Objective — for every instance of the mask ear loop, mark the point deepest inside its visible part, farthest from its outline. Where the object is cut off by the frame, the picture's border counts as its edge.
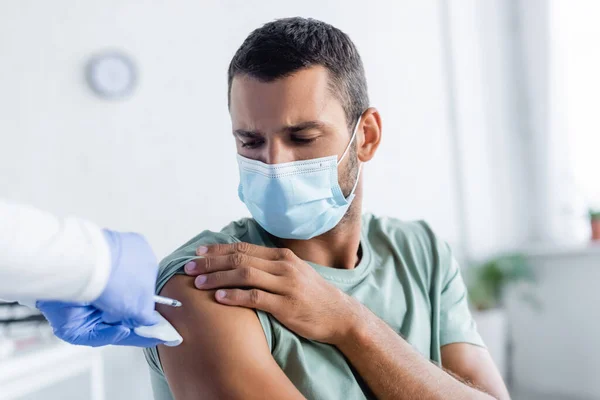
(346, 152)
(351, 140)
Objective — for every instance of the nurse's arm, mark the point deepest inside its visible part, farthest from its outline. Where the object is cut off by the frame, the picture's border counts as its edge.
(224, 353)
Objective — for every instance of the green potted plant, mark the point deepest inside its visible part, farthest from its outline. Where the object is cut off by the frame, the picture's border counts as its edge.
(595, 221)
(487, 283)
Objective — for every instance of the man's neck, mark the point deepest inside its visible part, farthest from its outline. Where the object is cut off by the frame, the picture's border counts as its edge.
(337, 248)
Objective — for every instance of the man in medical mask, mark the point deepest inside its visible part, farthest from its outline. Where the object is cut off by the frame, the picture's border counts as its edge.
(314, 299)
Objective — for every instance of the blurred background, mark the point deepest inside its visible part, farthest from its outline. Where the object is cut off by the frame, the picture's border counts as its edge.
(116, 111)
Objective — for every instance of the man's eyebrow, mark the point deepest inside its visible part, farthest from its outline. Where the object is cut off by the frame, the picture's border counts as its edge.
(304, 126)
(247, 134)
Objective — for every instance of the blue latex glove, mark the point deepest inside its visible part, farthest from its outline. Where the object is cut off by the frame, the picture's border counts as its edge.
(128, 296)
(83, 324)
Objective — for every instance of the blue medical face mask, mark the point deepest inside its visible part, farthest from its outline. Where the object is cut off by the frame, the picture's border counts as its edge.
(295, 200)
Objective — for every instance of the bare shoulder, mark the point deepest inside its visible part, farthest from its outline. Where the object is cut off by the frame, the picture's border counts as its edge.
(224, 351)
(201, 310)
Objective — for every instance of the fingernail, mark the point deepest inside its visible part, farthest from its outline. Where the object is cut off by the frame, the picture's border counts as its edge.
(200, 279)
(190, 267)
(201, 250)
(221, 294)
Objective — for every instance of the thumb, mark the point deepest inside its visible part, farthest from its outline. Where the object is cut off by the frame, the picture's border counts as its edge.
(147, 317)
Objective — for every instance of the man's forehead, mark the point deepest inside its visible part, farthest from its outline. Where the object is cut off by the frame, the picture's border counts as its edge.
(303, 95)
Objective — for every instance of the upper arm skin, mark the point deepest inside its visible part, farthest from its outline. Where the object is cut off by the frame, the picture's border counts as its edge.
(224, 353)
(474, 365)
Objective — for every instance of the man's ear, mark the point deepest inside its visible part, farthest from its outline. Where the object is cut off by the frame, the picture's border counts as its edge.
(369, 134)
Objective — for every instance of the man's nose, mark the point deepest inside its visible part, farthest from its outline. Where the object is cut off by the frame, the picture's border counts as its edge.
(277, 153)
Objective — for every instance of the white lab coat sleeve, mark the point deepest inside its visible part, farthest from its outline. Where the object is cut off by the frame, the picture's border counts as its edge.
(44, 257)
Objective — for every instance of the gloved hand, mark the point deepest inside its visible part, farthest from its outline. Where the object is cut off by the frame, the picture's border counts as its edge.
(82, 324)
(128, 296)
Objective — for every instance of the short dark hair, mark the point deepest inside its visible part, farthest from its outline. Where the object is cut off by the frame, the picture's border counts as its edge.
(284, 46)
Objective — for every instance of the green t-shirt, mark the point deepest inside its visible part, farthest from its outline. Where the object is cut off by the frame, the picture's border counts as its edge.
(406, 276)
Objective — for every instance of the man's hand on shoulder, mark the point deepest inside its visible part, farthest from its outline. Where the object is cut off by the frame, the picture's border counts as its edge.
(279, 283)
